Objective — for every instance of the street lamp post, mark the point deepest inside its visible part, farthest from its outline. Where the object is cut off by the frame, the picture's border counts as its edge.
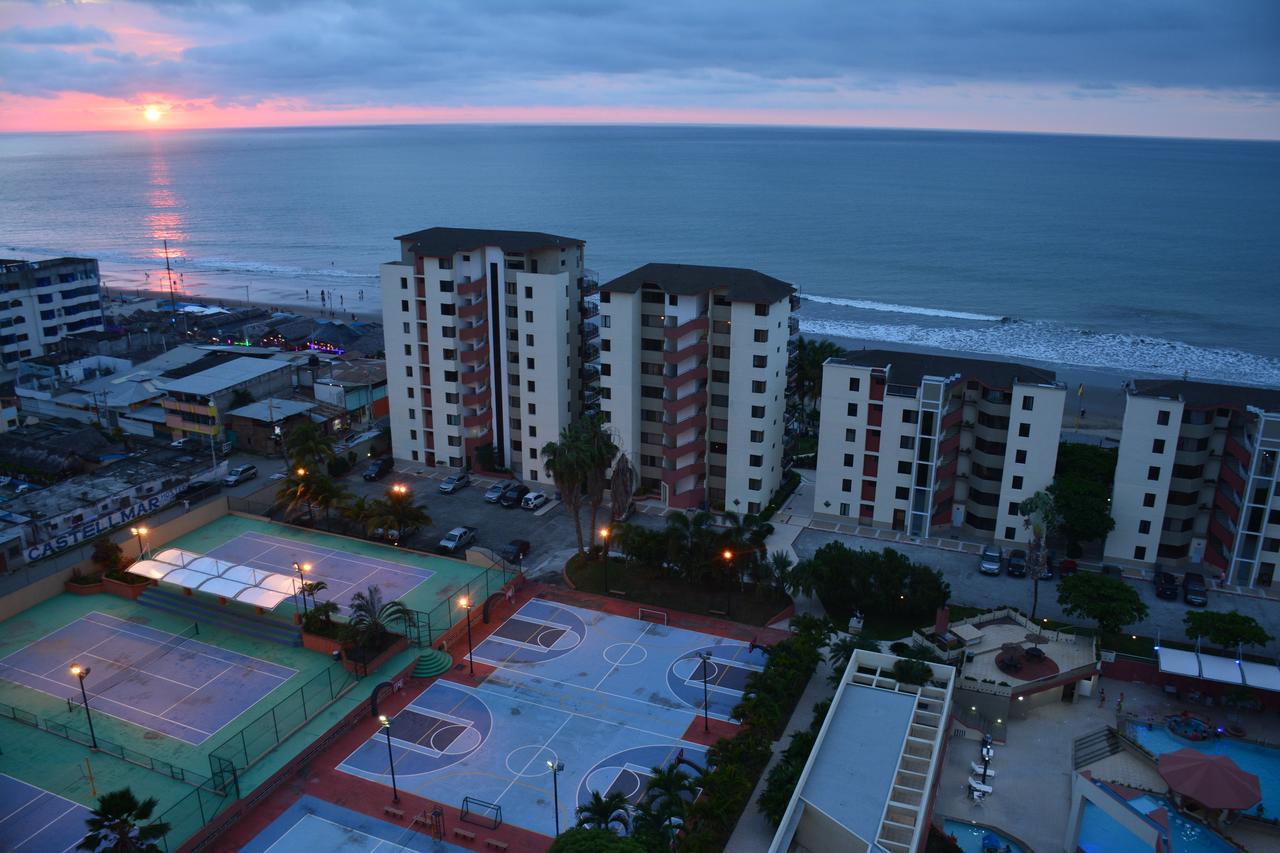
(80, 672)
(705, 657)
(466, 605)
(391, 759)
(604, 555)
(728, 587)
(139, 532)
(556, 767)
(302, 569)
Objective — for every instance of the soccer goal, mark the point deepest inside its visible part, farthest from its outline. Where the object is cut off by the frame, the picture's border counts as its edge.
(647, 615)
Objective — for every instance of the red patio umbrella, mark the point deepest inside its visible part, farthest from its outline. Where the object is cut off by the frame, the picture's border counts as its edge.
(1213, 781)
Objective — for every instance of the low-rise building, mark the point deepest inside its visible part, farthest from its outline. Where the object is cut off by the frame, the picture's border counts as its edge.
(934, 445)
(358, 387)
(195, 401)
(872, 774)
(1196, 479)
(43, 301)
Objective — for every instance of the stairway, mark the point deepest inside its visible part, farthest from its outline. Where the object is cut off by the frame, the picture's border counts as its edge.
(207, 612)
(1094, 747)
(431, 664)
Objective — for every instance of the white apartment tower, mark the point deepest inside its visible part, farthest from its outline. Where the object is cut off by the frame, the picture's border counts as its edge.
(486, 333)
(1196, 479)
(933, 445)
(694, 368)
(43, 301)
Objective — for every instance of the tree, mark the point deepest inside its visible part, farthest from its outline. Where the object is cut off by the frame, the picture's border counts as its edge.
(604, 812)
(841, 650)
(880, 584)
(910, 671)
(397, 512)
(622, 488)
(598, 453)
(1108, 601)
(1040, 516)
(240, 397)
(357, 512)
(370, 615)
(1084, 511)
(307, 445)
(1225, 630)
(670, 792)
(122, 824)
(583, 839)
(565, 462)
(810, 356)
(311, 588)
(107, 554)
(1087, 462)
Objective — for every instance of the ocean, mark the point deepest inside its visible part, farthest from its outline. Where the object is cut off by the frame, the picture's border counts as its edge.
(1131, 254)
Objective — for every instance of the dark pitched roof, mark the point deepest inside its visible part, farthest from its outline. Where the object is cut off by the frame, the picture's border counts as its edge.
(908, 368)
(1209, 394)
(741, 285)
(444, 242)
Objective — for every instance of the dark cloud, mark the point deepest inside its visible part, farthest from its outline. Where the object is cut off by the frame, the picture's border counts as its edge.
(665, 52)
(65, 35)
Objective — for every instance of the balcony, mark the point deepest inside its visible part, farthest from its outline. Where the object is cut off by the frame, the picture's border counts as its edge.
(474, 377)
(671, 476)
(590, 282)
(472, 288)
(689, 499)
(589, 374)
(697, 421)
(694, 350)
(477, 420)
(673, 332)
(590, 309)
(590, 331)
(472, 310)
(793, 326)
(591, 395)
(479, 398)
(693, 445)
(474, 333)
(698, 399)
(673, 382)
(590, 352)
(474, 356)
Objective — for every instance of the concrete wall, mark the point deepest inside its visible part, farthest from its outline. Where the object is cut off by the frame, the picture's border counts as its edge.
(1141, 428)
(740, 497)
(1044, 420)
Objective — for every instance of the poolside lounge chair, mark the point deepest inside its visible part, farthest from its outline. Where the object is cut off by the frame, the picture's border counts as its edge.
(977, 769)
(975, 785)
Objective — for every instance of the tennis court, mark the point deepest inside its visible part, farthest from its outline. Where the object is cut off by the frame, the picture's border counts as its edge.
(165, 682)
(609, 696)
(33, 819)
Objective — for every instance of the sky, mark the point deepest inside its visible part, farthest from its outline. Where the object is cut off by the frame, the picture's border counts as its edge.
(1193, 68)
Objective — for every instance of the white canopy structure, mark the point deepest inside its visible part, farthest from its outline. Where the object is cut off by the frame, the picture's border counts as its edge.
(175, 556)
(1224, 670)
(260, 597)
(150, 569)
(1178, 662)
(223, 587)
(1264, 676)
(258, 587)
(209, 566)
(186, 578)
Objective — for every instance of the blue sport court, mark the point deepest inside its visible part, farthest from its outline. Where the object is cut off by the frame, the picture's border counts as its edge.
(32, 819)
(316, 825)
(165, 682)
(609, 696)
(343, 572)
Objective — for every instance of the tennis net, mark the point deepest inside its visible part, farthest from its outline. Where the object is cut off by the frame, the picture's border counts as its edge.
(131, 669)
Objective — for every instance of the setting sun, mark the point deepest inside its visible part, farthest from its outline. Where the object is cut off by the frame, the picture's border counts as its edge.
(152, 114)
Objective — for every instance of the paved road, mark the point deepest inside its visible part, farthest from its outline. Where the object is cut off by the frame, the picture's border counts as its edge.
(969, 587)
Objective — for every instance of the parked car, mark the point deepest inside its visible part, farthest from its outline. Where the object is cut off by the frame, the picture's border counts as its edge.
(1166, 584)
(199, 489)
(378, 469)
(1068, 567)
(513, 495)
(991, 561)
(1017, 567)
(180, 443)
(240, 474)
(515, 551)
(457, 539)
(533, 500)
(1194, 590)
(494, 493)
(455, 483)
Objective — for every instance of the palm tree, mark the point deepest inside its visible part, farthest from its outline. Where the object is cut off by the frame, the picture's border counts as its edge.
(565, 462)
(295, 492)
(603, 812)
(598, 451)
(311, 588)
(325, 610)
(307, 445)
(775, 571)
(841, 650)
(689, 542)
(122, 824)
(370, 615)
(327, 493)
(810, 356)
(398, 512)
(357, 512)
(1040, 516)
(622, 487)
(670, 792)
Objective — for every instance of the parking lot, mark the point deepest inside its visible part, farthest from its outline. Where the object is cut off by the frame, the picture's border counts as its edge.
(970, 588)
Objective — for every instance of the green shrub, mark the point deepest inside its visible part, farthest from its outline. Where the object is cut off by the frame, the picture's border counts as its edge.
(912, 671)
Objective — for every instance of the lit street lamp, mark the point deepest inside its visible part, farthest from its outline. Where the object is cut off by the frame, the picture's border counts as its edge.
(139, 532)
(705, 657)
(302, 569)
(386, 727)
(604, 555)
(465, 603)
(556, 767)
(80, 672)
(728, 593)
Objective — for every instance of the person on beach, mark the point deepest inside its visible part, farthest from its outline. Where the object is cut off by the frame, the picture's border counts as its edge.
(322, 297)
(308, 294)
(341, 302)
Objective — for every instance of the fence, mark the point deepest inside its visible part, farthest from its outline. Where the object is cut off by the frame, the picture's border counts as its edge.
(190, 814)
(244, 748)
(424, 627)
(83, 738)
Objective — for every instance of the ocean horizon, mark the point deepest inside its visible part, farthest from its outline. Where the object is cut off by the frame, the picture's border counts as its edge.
(1136, 254)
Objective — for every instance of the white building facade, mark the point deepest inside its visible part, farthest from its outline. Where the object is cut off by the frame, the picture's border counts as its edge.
(43, 301)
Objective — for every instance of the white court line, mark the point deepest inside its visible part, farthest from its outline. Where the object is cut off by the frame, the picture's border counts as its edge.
(237, 659)
(194, 691)
(516, 777)
(39, 793)
(324, 550)
(295, 843)
(630, 646)
(142, 672)
(64, 813)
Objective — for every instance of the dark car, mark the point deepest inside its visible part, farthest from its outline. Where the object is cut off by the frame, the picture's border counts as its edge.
(1166, 584)
(1194, 589)
(493, 494)
(1017, 564)
(378, 469)
(513, 494)
(515, 551)
(455, 483)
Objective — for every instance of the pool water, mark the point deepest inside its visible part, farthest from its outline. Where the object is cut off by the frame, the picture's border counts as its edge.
(1186, 836)
(1262, 761)
(969, 836)
(1101, 833)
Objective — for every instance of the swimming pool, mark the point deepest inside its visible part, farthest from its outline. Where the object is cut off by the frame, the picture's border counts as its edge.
(1101, 833)
(969, 836)
(1185, 835)
(1262, 761)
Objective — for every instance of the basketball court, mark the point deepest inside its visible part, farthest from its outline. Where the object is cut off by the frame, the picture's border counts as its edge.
(35, 820)
(610, 697)
(164, 682)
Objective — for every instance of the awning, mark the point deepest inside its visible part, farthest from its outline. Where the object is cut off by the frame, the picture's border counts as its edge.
(1179, 662)
(245, 574)
(260, 597)
(1213, 781)
(1264, 676)
(1222, 670)
(175, 556)
(185, 578)
(209, 566)
(222, 587)
(150, 569)
(279, 583)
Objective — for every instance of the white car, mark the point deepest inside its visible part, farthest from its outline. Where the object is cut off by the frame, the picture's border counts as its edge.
(533, 500)
(457, 539)
(239, 474)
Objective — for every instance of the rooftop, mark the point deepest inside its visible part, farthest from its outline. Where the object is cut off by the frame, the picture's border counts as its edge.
(225, 375)
(1208, 394)
(88, 490)
(445, 242)
(909, 368)
(741, 285)
(272, 409)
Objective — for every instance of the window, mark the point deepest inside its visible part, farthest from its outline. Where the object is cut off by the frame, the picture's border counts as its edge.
(409, 391)
(754, 484)
(846, 485)
(1162, 417)
(848, 460)
(413, 454)
(513, 336)
(1010, 533)
(404, 284)
(756, 460)
(413, 435)
(404, 305)
(757, 387)
(757, 435)
(606, 369)
(533, 453)
(1157, 445)
(453, 420)
(854, 383)
(451, 397)
(528, 363)
(719, 352)
(850, 435)
(1144, 527)
(719, 376)
(902, 493)
(451, 376)
(844, 509)
(606, 321)
(1139, 552)
(720, 400)
(852, 410)
(1028, 403)
(762, 310)
(757, 411)
(1020, 457)
(528, 292)
(907, 442)
(408, 349)
(533, 408)
(408, 370)
(1149, 499)
(646, 344)
(910, 416)
(530, 386)
(759, 361)
(762, 336)
(652, 297)
(1017, 481)
(413, 415)
(446, 286)
(406, 328)
(450, 354)
(528, 316)
(653, 392)
(1014, 507)
(455, 441)
(528, 340)
(448, 332)
(1153, 472)
(533, 431)
(510, 288)
(446, 263)
(904, 467)
(1024, 430)
(448, 309)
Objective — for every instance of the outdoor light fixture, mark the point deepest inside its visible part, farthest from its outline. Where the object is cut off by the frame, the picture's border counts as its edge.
(604, 556)
(556, 767)
(80, 672)
(705, 657)
(302, 569)
(301, 472)
(139, 532)
(386, 727)
(465, 603)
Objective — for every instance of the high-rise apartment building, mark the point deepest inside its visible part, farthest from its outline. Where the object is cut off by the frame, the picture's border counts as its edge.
(486, 336)
(933, 445)
(43, 301)
(694, 366)
(1196, 479)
